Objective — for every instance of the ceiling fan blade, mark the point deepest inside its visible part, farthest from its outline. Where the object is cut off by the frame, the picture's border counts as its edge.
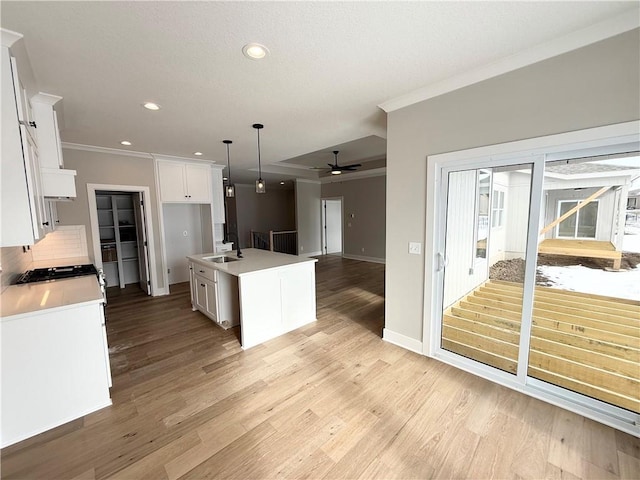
(352, 166)
(332, 165)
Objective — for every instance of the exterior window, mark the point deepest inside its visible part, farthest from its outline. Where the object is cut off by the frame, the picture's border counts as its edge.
(497, 209)
(582, 224)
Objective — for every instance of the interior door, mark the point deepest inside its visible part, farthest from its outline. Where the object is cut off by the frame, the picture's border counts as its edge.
(332, 226)
(143, 249)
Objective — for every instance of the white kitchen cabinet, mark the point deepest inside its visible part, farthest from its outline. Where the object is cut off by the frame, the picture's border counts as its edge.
(56, 181)
(204, 290)
(218, 196)
(22, 207)
(184, 182)
(55, 361)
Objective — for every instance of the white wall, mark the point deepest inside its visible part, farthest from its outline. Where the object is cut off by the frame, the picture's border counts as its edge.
(308, 219)
(589, 87)
(179, 219)
(365, 199)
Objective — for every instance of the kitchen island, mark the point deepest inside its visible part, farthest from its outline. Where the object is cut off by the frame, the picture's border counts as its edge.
(266, 293)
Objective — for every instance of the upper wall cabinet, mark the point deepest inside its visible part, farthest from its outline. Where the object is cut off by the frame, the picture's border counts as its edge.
(184, 182)
(56, 181)
(23, 210)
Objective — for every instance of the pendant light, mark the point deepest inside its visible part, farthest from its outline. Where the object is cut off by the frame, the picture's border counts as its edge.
(229, 189)
(261, 186)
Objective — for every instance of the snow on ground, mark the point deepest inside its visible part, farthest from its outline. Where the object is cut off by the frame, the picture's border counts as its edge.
(576, 278)
(631, 239)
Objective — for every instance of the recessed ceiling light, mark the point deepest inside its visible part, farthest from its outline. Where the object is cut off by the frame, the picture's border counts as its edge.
(197, 153)
(151, 106)
(255, 51)
(225, 178)
(281, 183)
(125, 142)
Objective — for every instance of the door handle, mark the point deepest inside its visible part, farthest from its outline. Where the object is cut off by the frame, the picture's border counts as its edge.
(443, 261)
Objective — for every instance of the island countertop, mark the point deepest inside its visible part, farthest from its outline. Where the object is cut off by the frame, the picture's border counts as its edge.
(253, 260)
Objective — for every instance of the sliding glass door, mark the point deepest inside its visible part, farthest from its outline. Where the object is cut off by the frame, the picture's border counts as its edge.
(528, 286)
(484, 263)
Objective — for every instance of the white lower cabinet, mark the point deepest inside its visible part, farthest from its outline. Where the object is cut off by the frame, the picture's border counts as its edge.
(215, 294)
(55, 368)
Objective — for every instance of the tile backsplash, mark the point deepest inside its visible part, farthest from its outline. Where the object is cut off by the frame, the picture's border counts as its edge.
(67, 241)
(13, 261)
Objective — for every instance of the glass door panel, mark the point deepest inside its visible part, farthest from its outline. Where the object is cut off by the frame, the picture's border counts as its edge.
(487, 214)
(585, 334)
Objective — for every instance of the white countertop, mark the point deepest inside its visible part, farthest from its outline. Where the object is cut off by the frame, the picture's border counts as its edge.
(18, 300)
(253, 260)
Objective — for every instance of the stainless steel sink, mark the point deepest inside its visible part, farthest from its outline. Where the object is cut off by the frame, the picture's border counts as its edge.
(220, 259)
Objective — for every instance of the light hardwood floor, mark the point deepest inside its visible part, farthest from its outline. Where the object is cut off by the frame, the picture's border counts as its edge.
(330, 400)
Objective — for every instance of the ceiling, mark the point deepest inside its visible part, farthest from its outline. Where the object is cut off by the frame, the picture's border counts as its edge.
(330, 65)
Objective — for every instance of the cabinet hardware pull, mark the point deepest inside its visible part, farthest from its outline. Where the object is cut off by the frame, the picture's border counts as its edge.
(201, 271)
(202, 285)
(45, 224)
(33, 124)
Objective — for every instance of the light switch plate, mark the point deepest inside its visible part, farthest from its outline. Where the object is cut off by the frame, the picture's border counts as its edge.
(415, 248)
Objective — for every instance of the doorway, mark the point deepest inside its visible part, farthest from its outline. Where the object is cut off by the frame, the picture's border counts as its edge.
(121, 235)
(332, 239)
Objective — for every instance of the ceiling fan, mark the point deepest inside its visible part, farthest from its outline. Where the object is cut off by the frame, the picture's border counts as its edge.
(337, 169)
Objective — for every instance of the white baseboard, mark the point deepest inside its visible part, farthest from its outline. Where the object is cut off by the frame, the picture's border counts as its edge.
(362, 258)
(310, 254)
(402, 341)
(160, 292)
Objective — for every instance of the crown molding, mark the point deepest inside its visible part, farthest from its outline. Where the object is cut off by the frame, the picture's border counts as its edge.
(345, 177)
(131, 153)
(173, 158)
(105, 150)
(9, 37)
(306, 180)
(572, 41)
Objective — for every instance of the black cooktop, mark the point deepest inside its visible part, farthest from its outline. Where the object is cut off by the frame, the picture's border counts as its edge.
(56, 273)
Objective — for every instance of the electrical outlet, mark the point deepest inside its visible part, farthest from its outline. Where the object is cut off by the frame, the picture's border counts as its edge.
(185, 234)
(415, 248)
(362, 249)
(301, 248)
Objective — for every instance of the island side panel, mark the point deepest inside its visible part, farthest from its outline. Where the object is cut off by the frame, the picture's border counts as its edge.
(276, 301)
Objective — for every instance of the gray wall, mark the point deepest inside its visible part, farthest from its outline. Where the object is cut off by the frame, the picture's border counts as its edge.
(103, 168)
(589, 87)
(308, 219)
(274, 210)
(365, 198)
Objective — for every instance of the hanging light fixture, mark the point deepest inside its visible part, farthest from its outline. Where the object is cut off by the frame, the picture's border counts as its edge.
(261, 186)
(229, 189)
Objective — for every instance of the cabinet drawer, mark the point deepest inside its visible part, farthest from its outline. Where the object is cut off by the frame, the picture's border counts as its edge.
(204, 272)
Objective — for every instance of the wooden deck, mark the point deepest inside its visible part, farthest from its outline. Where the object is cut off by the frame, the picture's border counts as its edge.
(581, 248)
(586, 343)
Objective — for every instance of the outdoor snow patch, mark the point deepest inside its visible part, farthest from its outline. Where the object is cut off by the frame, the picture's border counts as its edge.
(576, 278)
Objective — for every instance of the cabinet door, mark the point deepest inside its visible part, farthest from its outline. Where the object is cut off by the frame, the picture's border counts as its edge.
(172, 182)
(201, 294)
(212, 300)
(198, 183)
(34, 185)
(218, 196)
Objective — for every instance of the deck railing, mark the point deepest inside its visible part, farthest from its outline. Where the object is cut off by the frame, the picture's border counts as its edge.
(282, 242)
